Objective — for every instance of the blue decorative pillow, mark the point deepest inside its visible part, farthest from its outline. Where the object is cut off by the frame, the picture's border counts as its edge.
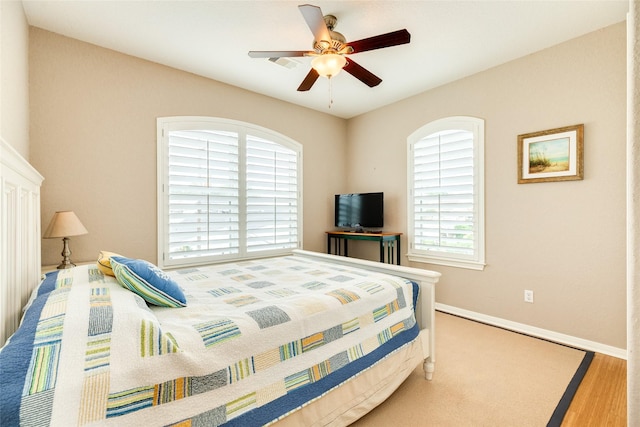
(148, 281)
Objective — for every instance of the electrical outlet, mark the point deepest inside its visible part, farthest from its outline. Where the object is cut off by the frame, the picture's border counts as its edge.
(528, 296)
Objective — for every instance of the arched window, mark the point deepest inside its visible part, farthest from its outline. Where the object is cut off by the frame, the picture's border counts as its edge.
(226, 190)
(446, 193)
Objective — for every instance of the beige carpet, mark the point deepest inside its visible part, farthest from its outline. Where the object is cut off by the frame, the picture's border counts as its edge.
(485, 376)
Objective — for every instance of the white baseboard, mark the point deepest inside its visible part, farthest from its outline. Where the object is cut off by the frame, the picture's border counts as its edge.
(535, 332)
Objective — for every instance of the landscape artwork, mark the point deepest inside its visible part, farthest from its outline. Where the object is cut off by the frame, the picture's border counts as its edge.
(551, 155)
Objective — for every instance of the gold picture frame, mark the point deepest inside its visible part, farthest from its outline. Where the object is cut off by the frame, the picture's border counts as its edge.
(551, 155)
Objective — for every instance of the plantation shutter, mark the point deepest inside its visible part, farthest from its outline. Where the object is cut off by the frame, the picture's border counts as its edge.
(227, 191)
(271, 196)
(444, 211)
(203, 194)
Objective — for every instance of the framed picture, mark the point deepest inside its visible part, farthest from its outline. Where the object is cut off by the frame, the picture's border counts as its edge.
(551, 155)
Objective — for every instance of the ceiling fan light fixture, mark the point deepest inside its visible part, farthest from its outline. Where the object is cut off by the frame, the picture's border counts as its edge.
(328, 64)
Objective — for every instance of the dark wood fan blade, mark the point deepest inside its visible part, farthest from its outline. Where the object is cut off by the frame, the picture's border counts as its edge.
(315, 21)
(383, 40)
(277, 53)
(308, 81)
(362, 74)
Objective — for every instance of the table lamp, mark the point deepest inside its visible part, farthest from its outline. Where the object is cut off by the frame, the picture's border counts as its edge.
(64, 224)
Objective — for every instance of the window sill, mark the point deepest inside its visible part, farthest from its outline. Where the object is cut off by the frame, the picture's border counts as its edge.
(468, 264)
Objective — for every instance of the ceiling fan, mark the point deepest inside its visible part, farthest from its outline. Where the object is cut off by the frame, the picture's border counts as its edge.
(330, 49)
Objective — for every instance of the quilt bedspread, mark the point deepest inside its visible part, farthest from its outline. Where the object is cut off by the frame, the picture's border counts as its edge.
(257, 340)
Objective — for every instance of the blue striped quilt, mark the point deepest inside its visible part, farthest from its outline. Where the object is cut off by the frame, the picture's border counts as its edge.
(257, 340)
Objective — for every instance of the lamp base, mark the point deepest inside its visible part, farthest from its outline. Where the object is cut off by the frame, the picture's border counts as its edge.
(66, 262)
(66, 265)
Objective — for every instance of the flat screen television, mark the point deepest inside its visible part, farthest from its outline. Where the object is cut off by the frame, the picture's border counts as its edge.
(359, 211)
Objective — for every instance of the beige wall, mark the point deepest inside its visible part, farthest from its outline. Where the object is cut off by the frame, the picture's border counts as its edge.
(14, 83)
(563, 240)
(93, 137)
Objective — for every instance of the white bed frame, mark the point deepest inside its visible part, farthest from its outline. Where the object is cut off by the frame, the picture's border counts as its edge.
(20, 269)
(425, 309)
(20, 273)
(19, 236)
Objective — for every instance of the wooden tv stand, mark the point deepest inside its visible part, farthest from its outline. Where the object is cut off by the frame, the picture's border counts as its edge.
(387, 242)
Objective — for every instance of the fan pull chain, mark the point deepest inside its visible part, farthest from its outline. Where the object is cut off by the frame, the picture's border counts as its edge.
(330, 92)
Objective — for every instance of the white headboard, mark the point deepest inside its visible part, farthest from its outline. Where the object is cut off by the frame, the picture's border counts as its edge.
(19, 236)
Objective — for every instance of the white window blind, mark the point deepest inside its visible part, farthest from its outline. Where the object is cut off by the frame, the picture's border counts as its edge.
(443, 192)
(203, 194)
(226, 191)
(445, 204)
(272, 196)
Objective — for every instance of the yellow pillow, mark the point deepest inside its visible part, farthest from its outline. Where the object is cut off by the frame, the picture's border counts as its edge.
(104, 262)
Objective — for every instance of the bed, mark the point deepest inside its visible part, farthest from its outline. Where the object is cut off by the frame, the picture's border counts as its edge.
(304, 339)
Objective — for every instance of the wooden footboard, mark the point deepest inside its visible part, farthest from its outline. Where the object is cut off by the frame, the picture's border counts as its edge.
(426, 279)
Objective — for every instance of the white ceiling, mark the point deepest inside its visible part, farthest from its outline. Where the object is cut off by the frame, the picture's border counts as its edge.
(449, 39)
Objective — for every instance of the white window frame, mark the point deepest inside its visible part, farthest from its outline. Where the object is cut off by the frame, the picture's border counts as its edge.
(476, 261)
(165, 125)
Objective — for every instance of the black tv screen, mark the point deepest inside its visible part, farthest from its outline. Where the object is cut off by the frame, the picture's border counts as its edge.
(359, 211)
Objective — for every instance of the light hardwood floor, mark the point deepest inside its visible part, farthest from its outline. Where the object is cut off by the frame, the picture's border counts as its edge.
(601, 398)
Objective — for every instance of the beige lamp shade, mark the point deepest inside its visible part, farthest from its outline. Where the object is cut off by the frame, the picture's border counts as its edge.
(64, 224)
